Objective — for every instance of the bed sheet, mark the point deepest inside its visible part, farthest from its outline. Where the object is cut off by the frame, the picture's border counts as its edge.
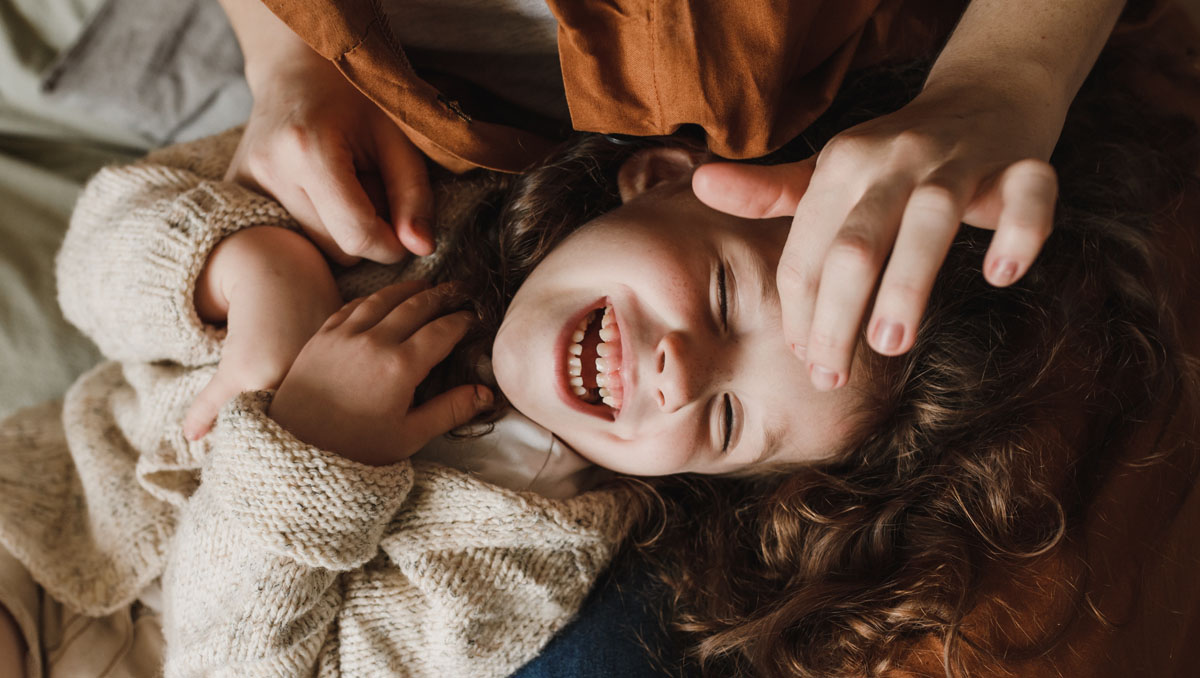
(52, 138)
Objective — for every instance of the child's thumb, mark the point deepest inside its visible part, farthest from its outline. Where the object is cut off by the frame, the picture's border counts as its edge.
(448, 411)
(198, 420)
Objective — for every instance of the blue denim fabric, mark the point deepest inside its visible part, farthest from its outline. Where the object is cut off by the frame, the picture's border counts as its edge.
(618, 634)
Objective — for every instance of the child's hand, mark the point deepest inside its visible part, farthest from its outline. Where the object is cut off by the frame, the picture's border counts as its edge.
(272, 290)
(350, 390)
(890, 194)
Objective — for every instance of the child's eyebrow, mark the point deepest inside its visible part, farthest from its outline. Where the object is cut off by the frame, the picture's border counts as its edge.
(772, 443)
(763, 274)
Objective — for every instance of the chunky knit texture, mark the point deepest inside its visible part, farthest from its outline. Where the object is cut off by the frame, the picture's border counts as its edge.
(276, 558)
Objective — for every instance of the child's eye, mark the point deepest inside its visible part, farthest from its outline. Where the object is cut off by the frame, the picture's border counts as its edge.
(728, 420)
(723, 300)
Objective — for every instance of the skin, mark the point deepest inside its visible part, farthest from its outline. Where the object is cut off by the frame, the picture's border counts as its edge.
(346, 383)
(272, 290)
(887, 196)
(12, 646)
(656, 260)
(873, 213)
(344, 373)
(312, 138)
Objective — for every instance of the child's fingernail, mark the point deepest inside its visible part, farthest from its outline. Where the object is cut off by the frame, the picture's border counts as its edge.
(888, 335)
(1004, 271)
(824, 379)
(483, 396)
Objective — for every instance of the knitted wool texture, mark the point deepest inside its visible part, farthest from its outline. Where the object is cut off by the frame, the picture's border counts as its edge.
(276, 558)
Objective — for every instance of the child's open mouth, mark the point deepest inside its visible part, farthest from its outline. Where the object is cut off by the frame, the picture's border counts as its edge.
(594, 359)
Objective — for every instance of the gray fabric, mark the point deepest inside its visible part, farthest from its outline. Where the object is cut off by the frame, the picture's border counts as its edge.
(113, 63)
(168, 70)
(32, 33)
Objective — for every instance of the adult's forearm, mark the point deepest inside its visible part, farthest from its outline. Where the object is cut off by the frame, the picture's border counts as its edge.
(268, 45)
(1039, 49)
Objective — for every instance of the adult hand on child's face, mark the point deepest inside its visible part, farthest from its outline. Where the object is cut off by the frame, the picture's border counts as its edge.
(310, 136)
(350, 390)
(893, 191)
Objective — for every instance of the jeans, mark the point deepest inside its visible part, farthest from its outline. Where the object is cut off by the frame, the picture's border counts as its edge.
(619, 633)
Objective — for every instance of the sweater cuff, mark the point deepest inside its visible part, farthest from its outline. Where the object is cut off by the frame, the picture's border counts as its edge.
(299, 502)
(139, 240)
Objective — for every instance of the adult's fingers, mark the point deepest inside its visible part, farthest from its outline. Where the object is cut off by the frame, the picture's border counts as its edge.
(367, 313)
(410, 198)
(753, 191)
(296, 202)
(447, 411)
(931, 220)
(798, 274)
(1028, 190)
(848, 276)
(345, 209)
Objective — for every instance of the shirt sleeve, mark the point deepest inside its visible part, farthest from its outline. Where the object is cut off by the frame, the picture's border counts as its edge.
(254, 572)
(137, 242)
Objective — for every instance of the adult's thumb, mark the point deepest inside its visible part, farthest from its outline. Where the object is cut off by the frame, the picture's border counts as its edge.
(753, 191)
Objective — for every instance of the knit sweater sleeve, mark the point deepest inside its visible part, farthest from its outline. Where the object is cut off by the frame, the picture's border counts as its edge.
(138, 239)
(254, 574)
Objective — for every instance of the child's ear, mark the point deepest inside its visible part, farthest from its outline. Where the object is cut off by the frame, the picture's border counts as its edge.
(650, 167)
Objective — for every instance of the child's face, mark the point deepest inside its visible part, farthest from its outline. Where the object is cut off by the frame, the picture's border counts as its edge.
(690, 388)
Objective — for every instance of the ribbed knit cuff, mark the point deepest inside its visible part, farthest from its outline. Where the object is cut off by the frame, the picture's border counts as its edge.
(299, 501)
(138, 241)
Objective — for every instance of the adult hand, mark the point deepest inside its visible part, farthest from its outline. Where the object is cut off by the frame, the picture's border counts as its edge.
(878, 207)
(350, 390)
(311, 139)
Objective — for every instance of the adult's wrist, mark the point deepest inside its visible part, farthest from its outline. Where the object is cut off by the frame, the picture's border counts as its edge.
(1024, 98)
(271, 51)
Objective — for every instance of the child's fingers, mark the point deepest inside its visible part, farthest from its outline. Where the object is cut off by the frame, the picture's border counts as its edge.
(373, 308)
(430, 344)
(417, 312)
(446, 412)
(198, 420)
(339, 316)
(1028, 190)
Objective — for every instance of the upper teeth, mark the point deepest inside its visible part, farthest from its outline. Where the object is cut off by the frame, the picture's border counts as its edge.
(607, 377)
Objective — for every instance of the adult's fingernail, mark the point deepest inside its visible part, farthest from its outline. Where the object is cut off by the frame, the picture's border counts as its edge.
(824, 379)
(888, 335)
(424, 228)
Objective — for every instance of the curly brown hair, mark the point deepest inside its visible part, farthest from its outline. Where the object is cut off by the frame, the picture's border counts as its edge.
(983, 443)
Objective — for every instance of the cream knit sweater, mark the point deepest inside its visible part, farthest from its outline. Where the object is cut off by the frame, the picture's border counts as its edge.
(276, 558)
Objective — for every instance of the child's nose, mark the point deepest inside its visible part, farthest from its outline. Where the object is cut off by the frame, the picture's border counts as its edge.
(678, 379)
